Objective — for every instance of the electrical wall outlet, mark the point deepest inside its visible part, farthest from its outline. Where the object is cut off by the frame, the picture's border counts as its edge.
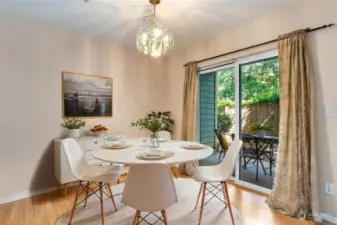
(329, 189)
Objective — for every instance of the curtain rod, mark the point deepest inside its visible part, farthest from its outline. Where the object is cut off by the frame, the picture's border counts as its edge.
(257, 45)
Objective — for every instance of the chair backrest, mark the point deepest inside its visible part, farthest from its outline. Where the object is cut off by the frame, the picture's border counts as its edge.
(149, 188)
(228, 163)
(165, 135)
(220, 138)
(75, 157)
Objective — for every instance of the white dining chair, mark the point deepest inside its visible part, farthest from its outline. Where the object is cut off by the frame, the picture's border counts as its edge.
(217, 174)
(149, 188)
(88, 174)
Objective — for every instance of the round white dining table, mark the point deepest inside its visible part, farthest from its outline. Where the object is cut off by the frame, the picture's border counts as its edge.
(128, 155)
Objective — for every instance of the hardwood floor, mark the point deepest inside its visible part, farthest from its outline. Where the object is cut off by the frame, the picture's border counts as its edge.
(45, 209)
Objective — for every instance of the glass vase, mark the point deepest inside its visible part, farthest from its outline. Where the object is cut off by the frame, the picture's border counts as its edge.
(154, 140)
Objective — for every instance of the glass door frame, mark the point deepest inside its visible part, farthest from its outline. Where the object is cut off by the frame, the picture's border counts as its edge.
(238, 111)
(236, 64)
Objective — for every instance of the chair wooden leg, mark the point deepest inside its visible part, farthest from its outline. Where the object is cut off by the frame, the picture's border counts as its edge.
(111, 196)
(101, 199)
(200, 190)
(202, 202)
(175, 172)
(225, 189)
(136, 219)
(74, 206)
(224, 193)
(86, 193)
(65, 190)
(163, 212)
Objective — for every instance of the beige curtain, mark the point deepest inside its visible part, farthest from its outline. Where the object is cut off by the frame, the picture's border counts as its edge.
(189, 109)
(295, 187)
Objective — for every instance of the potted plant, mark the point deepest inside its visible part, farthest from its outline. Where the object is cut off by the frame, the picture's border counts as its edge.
(260, 128)
(153, 124)
(166, 116)
(225, 124)
(73, 125)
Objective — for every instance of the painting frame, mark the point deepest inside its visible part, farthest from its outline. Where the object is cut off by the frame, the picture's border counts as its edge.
(65, 112)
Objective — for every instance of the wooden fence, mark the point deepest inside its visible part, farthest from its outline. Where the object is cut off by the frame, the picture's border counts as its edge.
(262, 112)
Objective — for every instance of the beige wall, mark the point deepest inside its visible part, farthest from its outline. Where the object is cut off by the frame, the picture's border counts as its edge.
(324, 55)
(31, 60)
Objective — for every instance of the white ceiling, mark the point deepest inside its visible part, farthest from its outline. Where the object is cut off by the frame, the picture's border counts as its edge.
(119, 20)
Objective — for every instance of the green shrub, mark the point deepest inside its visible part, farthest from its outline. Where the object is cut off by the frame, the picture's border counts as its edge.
(222, 104)
(225, 122)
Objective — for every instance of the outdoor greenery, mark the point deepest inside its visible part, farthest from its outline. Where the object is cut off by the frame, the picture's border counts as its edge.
(73, 123)
(224, 122)
(260, 126)
(259, 82)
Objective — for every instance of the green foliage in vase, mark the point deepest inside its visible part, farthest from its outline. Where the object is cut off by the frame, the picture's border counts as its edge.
(166, 116)
(225, 122)
(152, 123)
(73, 123)
(260, 126)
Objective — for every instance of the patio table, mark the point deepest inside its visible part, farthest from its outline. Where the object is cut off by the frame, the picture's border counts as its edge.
(260, 146)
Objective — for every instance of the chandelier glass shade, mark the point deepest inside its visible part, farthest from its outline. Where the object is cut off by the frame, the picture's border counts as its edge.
(153, 39)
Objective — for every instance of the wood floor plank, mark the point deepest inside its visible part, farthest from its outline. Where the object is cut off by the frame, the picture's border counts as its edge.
(45, 209)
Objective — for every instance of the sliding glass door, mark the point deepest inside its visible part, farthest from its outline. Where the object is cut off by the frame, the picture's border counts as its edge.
(241, 99)
(259, 118)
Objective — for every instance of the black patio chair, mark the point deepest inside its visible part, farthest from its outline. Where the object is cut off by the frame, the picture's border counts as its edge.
(221, 142)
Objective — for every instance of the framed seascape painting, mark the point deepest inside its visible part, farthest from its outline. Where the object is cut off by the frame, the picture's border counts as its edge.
(86, 95)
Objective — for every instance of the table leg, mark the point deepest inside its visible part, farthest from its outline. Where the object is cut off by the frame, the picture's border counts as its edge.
(240, 164)
(257, 160)
(271, 158)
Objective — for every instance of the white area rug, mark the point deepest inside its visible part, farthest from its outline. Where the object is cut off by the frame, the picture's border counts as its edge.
(181, 213)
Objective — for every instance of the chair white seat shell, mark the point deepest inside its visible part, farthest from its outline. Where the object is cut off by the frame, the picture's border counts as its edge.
(218, 174)
(84, 172)
(149, 188)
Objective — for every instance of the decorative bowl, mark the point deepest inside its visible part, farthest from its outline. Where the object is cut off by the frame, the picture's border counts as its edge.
(99, 133)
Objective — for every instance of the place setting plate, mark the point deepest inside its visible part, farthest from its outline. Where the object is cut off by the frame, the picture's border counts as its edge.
(192, 146)
(154, 155)
(116, 146)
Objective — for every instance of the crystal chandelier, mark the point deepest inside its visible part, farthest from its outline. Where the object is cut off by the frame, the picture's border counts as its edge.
(152, 39)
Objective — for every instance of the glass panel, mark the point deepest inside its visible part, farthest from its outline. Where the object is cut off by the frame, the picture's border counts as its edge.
(259, 120)
(224, 113)
(207, 108)
(216, 111)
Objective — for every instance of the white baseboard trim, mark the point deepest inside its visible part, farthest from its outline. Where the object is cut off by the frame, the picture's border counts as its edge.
(328, 218)
(26, 194)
